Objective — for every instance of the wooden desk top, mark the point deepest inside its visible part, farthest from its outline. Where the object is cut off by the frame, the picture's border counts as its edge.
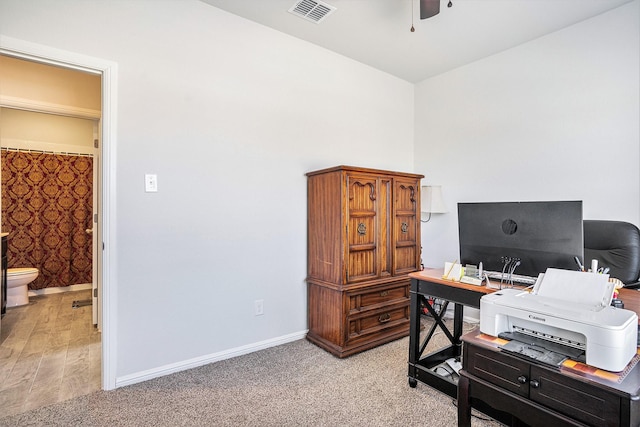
(631, 300)
(630, 297)
(434, 275)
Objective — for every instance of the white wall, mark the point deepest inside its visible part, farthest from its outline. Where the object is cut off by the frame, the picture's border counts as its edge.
(229, 115)
(553, 119)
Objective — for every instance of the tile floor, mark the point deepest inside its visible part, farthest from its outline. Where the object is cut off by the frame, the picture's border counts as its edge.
(49, 352)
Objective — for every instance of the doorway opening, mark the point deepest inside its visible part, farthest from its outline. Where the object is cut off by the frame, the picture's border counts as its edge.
(104, 225)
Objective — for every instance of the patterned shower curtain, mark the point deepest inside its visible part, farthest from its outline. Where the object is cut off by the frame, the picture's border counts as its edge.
(46, 208)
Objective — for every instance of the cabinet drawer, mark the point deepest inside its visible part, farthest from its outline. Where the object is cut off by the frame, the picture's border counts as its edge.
(578, 399)
(500, 369)
(378, 297)
(377, 321)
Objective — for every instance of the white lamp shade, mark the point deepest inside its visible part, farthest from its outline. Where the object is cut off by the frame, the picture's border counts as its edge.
(432, 201)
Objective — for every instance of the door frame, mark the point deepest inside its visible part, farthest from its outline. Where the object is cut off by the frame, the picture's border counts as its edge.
(107, 223)
(96, 262)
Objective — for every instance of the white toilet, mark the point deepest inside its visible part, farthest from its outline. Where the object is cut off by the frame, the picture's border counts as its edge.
(18, 280)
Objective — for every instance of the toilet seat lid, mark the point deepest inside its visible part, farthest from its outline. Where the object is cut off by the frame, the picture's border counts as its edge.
(21, 270)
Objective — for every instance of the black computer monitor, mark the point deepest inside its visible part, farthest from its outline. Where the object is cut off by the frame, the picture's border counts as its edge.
(538, 234)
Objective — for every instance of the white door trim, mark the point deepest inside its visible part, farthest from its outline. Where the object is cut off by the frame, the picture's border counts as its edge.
(109, 72)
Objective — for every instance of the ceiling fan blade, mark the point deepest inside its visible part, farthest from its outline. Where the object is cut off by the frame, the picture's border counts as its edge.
(429, 8)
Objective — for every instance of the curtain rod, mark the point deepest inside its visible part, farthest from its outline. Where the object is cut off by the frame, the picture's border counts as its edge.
(28, 150)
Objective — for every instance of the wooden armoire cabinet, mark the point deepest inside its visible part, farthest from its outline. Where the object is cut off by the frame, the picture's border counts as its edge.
(363, 240)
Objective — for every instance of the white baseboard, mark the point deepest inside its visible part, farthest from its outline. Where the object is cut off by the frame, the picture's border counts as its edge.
(471, 319)
(204, 360)
(60, 289)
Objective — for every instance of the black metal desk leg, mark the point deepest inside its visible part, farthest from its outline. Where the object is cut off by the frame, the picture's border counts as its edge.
(458, 314)
(414, 334)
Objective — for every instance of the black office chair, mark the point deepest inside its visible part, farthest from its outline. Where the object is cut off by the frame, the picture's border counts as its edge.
(615, 244)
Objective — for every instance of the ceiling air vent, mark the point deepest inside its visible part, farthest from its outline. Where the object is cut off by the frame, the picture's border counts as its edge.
(311, 10)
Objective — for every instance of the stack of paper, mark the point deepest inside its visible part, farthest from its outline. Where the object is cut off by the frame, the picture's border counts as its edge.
(578, 287)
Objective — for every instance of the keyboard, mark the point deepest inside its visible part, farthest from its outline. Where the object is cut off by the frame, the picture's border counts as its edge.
(508, 278)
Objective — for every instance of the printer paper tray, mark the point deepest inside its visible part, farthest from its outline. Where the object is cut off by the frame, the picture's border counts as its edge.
(539, 349)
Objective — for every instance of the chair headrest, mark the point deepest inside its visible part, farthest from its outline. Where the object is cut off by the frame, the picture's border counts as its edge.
(615, 244)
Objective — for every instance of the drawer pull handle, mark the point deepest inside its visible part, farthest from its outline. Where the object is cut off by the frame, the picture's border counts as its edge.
(384, 318)
(384, 293)
(522, 379)
(535, 384)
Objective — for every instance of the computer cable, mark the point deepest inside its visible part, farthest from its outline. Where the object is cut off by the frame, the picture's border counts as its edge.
(475, 415)
(512, 270)
(505, 263)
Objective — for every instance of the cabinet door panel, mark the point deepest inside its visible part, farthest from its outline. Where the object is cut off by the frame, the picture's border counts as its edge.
(405, 259)
(362, 228)
(361, 264)
(406, 227)
(577, 399)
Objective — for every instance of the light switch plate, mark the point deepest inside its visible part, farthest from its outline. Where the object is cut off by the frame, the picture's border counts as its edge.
(150, 183)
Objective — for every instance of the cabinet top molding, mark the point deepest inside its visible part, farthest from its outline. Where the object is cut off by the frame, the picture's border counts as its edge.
(366, 170)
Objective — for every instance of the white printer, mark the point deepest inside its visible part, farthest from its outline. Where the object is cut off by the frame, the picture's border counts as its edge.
(567, 309)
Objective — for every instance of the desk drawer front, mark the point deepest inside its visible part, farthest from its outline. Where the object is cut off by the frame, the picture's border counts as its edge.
(504, 371)
(577, 399)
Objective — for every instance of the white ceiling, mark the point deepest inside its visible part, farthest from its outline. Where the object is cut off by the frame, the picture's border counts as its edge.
(377, 32)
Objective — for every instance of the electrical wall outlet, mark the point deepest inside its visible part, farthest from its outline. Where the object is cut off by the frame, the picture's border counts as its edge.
(259, 307)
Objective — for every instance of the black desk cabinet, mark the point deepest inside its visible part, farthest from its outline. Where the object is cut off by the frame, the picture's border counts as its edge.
(537, 395)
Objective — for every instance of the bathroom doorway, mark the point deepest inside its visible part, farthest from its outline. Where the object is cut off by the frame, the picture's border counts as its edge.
(108, 70)
(51, 132)
(60, 110)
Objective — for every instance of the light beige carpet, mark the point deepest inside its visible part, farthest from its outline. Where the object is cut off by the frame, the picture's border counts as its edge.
(296, 384)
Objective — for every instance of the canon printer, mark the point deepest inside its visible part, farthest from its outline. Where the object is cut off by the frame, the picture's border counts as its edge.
(567, 314)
